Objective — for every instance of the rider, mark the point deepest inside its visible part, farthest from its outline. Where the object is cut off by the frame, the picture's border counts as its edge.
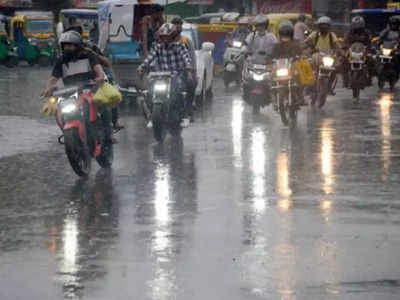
(92, 48)
(149, 27)
(300, 29)
(288, 47)
(191, 85)
(169, 56)
(392, 30)
(76, 66)
(358, 34)
(323, 40)
(261, 39)
(240, 34)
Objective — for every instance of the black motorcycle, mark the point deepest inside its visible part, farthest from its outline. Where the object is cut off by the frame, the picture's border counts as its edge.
(284, 89)
(324, 83)
(357, 58)
(388, 64)
(164, 103)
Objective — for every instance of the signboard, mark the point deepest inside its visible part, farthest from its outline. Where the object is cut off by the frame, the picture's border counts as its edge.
(85, 3)
(200, 2)
(16, 3)
(393, 5)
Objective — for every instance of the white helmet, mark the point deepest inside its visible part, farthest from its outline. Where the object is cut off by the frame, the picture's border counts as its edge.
(324, 21)
(261, 20)
(70, 37)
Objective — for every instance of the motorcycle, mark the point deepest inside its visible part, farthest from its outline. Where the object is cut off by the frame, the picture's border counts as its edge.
(83, 131)
(387, 68)
(323, 78)
(358, 68)
(233, 63)
(284, 90)
(164, 103)
(257, 81)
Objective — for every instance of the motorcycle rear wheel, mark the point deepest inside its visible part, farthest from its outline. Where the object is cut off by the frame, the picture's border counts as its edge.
(77, 153)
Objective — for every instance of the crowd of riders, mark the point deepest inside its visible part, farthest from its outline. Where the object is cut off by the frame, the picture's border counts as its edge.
(168, 50)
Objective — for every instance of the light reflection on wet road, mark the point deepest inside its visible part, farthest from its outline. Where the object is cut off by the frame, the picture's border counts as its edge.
(239, 208)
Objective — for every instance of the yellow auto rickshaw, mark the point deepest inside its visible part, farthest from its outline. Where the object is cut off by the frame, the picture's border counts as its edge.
(33, 35)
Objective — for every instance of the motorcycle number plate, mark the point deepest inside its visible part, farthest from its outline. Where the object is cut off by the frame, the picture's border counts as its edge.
(260, 67)
(258, 91)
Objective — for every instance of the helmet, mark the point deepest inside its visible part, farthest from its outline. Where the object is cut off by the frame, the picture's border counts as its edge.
(302, 18)
(358, 23)
(394, 20)
(167, 30)
(70, 37)
(286, 29)
(261, 20)
(324, 21)
(177, 21)
(244, 21)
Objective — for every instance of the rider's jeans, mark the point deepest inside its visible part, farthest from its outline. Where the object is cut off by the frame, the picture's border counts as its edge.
(105, 117)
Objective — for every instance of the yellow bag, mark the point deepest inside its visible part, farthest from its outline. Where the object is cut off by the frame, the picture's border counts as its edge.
(107, 96)
(49, 108)
(306, 73)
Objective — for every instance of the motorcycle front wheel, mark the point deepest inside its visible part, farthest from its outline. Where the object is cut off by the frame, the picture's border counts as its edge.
(323, 91)
(77, 153)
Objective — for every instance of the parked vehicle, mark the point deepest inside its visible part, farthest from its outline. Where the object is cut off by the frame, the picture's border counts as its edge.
(323, 77)
(284, 90)
(84, 136)
(33, 35)
(165, 102)
(8, 53)
(233, 63)
(257, 81)
(82, 17)
(388, 64)
(204, 63)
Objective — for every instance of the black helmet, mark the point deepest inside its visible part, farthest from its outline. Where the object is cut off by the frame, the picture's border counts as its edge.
(177, 21)
(357, 22)
(394, 20)
(286, 30)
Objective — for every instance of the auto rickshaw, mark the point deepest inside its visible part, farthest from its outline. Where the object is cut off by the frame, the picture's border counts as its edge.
(120, 34)
(86, 18)
(8, 55)
(33, 35)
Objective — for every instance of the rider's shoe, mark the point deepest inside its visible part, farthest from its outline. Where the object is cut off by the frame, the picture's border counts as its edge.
(149, 125)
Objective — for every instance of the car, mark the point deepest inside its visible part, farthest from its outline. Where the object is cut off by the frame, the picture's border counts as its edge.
(204, 62)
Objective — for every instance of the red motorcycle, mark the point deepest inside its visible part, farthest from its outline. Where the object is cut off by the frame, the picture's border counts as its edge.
(84, 132)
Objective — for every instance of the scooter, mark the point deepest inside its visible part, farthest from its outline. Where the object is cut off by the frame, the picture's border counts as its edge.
(233, 63)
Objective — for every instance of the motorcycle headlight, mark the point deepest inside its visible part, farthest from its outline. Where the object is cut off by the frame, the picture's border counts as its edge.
(257, 77)
(53, 100)
(386, 52)
(237, 44)
(160, 87)
(282, 72)
(69, 108)
(328, 61)
(357, 55)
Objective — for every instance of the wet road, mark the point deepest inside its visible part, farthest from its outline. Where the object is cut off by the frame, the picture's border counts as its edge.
(240, 208)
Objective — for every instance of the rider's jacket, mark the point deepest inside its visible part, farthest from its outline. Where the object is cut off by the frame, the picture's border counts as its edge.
(168, 57)
(322, 42)
(257, 42)
(389, 35)
(75, 70)
(287, 49)
(358, 36)
(239, 35)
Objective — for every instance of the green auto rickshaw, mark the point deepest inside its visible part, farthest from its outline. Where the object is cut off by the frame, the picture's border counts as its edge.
(8, 54)
(34, 37)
